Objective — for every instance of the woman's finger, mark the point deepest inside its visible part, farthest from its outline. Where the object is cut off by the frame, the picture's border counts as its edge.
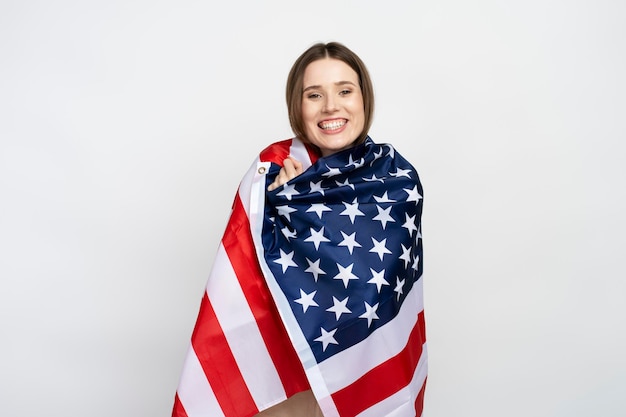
(291, 169)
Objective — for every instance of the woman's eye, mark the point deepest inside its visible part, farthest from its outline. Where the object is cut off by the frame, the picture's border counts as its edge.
(345, 92)
(313, 96)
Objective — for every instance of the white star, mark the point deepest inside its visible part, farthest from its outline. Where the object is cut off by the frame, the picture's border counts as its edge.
(357, 164)
(379, 248)
(370, 313)
(349, 241)
(345, 274)
(406, 255)
(374, 178)
(409, 224)
(314, 268)
(352, 210)
(306, 300)
(288, 233)
(285, 211)
(419, 232)
(346, 183)
(413, 195)
(384, 198)
(383, 216)
(399, 285)
(416, 262)
(378, 154)
(331, 172)
(378, 278)
(339, 307)
(327, 338)
(319, 208)
(392, 151)
(288, 191)
(316, 187)
(285, 260)
(401, 173)
(317, 237)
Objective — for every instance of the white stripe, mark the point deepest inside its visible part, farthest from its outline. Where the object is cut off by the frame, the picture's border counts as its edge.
(242, 333)
(194, 390)
(246, 184)
(402, 403)
(384, 343)
(299, 152)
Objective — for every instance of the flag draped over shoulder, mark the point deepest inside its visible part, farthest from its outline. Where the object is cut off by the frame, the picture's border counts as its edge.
(316, 285)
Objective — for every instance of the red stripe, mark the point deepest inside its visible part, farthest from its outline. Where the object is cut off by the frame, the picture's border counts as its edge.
(219, 364)
(384, 380)
(276, 152)
(239, 247)
(178, 410)
(419, 401)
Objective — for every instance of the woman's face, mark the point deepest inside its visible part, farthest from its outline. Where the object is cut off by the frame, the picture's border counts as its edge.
(332, 105)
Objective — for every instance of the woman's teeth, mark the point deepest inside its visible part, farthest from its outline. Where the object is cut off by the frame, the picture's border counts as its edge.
(335, 124)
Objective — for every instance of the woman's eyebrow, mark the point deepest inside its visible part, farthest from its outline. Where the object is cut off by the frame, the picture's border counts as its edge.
(338, 83)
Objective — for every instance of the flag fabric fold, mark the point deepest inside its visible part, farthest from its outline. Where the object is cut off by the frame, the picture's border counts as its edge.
(316, 285)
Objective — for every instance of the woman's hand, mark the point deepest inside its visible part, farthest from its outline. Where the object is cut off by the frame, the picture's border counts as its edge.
(291, 169)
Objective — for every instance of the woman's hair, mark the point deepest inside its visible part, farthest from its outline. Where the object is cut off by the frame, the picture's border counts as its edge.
(295, 85)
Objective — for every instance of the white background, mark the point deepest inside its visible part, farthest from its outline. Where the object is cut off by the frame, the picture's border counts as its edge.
(125, 127)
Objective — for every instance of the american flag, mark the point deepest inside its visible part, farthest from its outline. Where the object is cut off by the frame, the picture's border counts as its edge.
(315, 284)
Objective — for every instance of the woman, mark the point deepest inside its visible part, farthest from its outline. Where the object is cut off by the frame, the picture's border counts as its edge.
(314, 304)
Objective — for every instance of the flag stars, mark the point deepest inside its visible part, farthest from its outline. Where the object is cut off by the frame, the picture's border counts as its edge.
(409, 224)
(416, 263)
(288, 191)
(383, 198)
(373, 178)
(285, 260)
(345, 274)
(399, 286)
(406, 255)
(331, 172)
(357, 164)
(401, 173)
(318, 208)
(352, 210)
(380, 248)
(289, 234)
(285, 211)
(306, 300)
(317, 237)
(326, 338)
(413, 194)
(349, 241)
(339, 307)
(346, 183)
(370, 313)
(383, 216)
(314, 268)
(316, 187)
(378, 279)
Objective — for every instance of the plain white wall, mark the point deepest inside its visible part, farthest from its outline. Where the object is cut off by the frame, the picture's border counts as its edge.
(125, 127)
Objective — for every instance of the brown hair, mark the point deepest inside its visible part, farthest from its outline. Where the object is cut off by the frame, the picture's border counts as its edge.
(295, 82)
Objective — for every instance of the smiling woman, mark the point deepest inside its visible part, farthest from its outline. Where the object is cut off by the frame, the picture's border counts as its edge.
(314, 306)
(332, 105)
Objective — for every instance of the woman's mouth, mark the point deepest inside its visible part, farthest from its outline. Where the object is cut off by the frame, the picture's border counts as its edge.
(332, 124)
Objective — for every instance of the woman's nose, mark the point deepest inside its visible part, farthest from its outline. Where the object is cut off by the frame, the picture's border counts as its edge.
(330, 105)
